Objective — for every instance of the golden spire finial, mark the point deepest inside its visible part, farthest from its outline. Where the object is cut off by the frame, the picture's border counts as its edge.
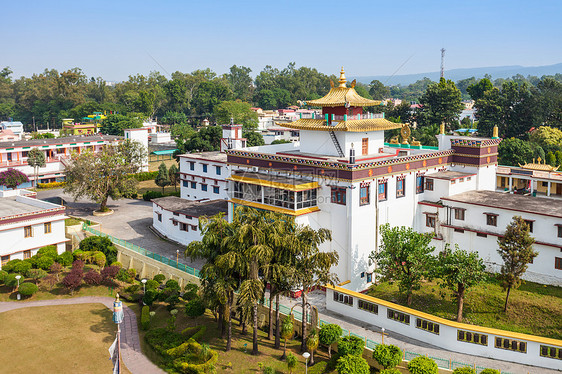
(495, 132)
(342, 79)
(442, 128)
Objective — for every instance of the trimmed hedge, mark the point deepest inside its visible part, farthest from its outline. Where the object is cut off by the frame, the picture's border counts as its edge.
(17, 266)
(27, 289)
(423, 365)
(49, 185)
(145, 175)
(145, 317)
(149, 195)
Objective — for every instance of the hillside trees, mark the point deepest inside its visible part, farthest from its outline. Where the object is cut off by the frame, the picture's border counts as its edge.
(441, 103)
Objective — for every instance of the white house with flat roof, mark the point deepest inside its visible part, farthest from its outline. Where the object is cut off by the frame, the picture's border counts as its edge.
(27, 224)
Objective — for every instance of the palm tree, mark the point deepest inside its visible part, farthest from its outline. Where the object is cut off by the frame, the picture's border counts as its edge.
(312, 266)
(287, 332)
(312, 343)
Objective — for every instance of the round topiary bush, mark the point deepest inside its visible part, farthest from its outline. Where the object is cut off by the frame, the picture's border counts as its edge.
(351, 345)
(352, 364)
(490, 371)
(17, 266)
(172, 284)
(99, 259)
(3, 275)
(159, 278)
(93, 278)
(423, 365)
(195, 308)
(117, 263)
(65, 258)
(464, 370)
(11, 280)
(27, 289)
(387, 355)
(151, 284)
(44, 262)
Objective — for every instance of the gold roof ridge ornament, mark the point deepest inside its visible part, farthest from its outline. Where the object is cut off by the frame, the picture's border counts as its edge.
(342, 95)
(538, 166)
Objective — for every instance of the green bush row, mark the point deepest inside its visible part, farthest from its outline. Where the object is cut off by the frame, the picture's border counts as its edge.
(145, 317)
(149, 195)
(145, 176)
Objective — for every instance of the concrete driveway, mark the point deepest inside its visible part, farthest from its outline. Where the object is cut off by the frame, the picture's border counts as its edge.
(130, 222)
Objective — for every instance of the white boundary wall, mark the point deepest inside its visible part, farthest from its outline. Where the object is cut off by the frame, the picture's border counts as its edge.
(448, 330)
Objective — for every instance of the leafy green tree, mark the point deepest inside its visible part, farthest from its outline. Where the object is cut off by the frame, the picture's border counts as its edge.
(210, 94)
(174, 174)
(464, 370)
(551, 159)
(291, 362)
(513, 151)
(558, 155)
(548, 138)
(441, 103)
(115, 124)
(253, 138)
(101, 244)
(351, 345)
(105, 174)
(459, 270)
(387, 355)
(404, 256)
(477, 90)
(328, 335)
(36, 159)
(240, 82)
(206, 140)
(312, 342)
(194, 308)
(238, 111)
(516, 251)
(350, 364)
(548, 101)
(412, 92)
(423, 365)
(490, 371)
(287, 332)
(378, 91)
(162, 179)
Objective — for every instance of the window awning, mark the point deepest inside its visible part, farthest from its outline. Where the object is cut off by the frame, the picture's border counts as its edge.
(274, 181)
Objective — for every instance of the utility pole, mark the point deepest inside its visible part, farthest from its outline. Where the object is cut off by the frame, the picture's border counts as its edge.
(442, 62)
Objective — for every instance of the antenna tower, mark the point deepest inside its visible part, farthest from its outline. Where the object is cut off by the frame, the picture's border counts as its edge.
(442, 62)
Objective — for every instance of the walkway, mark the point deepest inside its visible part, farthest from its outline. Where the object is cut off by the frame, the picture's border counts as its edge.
(372, 332)
(136, 362)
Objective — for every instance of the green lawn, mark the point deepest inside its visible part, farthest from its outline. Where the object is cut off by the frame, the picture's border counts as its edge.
(533, 308)
(240, 356)
(57, 339)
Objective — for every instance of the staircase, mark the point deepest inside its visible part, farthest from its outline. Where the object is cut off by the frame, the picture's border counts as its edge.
(336, 144)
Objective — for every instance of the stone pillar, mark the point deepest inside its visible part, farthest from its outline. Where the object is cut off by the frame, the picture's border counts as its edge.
(548, 188)
(510, 184)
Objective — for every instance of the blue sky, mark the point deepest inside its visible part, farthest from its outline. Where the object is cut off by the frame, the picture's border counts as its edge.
(114, 39)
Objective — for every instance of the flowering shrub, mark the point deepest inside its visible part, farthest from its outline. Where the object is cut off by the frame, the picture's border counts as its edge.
(50, 185)
(12, 178)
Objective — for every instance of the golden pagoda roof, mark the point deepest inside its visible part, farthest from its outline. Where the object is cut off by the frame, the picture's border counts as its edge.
(342, 96)
(538, 166)
(358, 125)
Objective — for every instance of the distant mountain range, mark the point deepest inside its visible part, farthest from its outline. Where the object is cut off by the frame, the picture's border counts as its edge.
(458, 74)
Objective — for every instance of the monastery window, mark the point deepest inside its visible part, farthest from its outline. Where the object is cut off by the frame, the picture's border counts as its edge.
(204, 167)
(184, 227)
(338, 195)
(459, 214)
(468, 178)
(460, 231)
(427, 326)
(218, 170)
(530, 224)
(369, 277)
(364, 194)
(306, 199)
(159, 217)
(26, 254)
(461, 180)
(27, 232)
(274, 196)
(481, 234)
(382, 191)
(191, 165)
(194, 227)
(419, 184)
(400, 187)
(365, 146)
(471, 337)
(344, 299)
(551, 352)
(186, 184)
(453, 181)
(558, 263)
(47, 227)
(545, 184)
(176, 214)
(398, 316)
(237, 190)
(193, 185)
(203, 187)
(491, 219)
(429, 184)
(5, 259)
(430, 221)
(511, 345)
(369, 307)
(215, 189)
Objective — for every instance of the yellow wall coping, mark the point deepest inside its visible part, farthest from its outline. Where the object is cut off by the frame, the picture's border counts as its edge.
(291, 212)
(457, 325)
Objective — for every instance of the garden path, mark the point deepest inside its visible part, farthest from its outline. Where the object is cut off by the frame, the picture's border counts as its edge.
(131, 354)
